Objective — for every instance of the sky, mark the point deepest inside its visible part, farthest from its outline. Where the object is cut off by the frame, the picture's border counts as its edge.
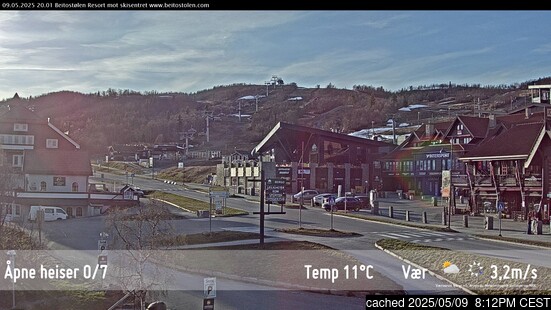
(188, 51)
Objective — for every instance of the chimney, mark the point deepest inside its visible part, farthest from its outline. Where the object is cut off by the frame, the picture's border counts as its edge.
(527, 112)
(429, 130)
(492, 123)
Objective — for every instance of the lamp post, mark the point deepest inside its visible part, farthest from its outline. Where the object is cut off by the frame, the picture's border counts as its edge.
(12, 254)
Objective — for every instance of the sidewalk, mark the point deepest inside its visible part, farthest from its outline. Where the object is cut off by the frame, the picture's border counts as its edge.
(509, 227)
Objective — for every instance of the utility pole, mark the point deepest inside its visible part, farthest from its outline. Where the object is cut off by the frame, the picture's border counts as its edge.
(393, 130)
(208, 116)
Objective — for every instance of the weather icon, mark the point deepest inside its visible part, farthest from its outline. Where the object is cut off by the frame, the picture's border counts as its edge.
(475, 269)
(450, 268)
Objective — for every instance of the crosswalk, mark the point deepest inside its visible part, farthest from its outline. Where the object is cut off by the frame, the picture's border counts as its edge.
(423, 236)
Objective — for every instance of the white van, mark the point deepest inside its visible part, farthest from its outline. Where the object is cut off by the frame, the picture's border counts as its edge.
(50, 213)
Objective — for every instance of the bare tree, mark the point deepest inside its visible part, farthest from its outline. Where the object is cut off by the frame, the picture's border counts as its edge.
(138, 232)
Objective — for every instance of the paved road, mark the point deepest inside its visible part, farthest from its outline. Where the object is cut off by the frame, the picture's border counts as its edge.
(361, 247)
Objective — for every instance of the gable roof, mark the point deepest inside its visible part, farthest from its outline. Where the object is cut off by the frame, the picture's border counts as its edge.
(514, 143)
(477, 126)
(295, 130)
(50, 162)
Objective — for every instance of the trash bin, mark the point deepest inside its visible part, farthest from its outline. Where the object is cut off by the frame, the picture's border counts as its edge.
(489, 223)
(434, 201)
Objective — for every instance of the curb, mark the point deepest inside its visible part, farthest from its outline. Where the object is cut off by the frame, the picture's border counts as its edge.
(386, 223)
(429, 271)
(172, 204)
(512, 242)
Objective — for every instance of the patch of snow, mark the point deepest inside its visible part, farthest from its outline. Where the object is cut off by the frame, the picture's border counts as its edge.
(405, 109)
(403, 125)
(247, 98)
(295, 99)
(242, 115)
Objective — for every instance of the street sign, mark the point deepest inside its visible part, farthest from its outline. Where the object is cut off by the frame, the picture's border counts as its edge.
(180, 165)
(218, 194)
(500, 206)
(209, 287)
(208, 304)
(102, 259)
(102, 245)
(275, 191)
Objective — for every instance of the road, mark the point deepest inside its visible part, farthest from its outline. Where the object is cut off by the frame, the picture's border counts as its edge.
(63, 234)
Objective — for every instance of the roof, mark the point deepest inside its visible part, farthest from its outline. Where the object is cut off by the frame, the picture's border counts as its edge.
(53, 162)
(477, 126)
(292, 130)
(516, 143)
(16, 111)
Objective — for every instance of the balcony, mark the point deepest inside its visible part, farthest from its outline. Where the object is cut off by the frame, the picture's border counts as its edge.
(504, 180)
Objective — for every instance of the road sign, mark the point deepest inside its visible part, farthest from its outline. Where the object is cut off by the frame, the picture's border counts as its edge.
(218, 194)
(102, 245)
(275, 190)
(102, 259)
(500, 206)
(210, 287)
(180, 165)
(208, 304)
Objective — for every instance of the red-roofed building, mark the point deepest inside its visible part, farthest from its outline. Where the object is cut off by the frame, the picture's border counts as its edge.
(41, 165)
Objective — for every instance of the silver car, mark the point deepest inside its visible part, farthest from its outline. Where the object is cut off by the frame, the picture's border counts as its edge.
(318, 200)
(306, 195)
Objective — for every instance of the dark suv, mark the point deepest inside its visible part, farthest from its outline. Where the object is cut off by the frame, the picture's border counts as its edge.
(352, 203)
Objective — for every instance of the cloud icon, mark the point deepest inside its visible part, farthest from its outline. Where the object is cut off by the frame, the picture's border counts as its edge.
(451, 269)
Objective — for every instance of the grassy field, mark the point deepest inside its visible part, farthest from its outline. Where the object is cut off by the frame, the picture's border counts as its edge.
(119, 167)
(193, 174)
(213, 237)
(495, 276)
(193, 205)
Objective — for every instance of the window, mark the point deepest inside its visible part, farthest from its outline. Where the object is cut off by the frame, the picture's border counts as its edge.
(69, 211)
(16, 139)
(79, 211)
(42, 186)
(20, 127)
(17, 161)
(51, 143)
(75, 187)
(17, 210)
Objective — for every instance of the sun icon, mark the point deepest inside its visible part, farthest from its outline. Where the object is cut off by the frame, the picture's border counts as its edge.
(446, 264)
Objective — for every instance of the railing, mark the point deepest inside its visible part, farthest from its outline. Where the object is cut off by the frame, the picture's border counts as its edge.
(504, 180)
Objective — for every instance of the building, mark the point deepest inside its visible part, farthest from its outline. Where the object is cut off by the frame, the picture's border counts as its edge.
(311, 158)
(40, 165)
(513, 167)
(416, 165)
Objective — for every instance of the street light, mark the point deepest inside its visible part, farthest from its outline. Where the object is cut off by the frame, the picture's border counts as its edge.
(12, 254)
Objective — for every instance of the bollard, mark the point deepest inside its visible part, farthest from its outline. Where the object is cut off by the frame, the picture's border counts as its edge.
(539, 228)
(407, 215)
(391, 212)
(489, 223)
(466, 220)
(375, 209)
(444, 218)
(425, 217)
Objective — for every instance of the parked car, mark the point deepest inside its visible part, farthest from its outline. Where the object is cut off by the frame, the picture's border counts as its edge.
(364, 200)
(352, 203)
(318, 200)
(307, 194)
(50, 213)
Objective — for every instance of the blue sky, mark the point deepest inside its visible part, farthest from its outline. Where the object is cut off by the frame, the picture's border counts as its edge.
(185, 51)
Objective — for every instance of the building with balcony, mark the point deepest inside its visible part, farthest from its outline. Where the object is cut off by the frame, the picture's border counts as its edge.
(41, 165)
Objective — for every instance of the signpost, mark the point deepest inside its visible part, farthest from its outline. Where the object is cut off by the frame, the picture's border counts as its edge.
(102, 245)
(209, 287)
(209, 293)
(500, 208)
(217, 196)
(274, 195)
